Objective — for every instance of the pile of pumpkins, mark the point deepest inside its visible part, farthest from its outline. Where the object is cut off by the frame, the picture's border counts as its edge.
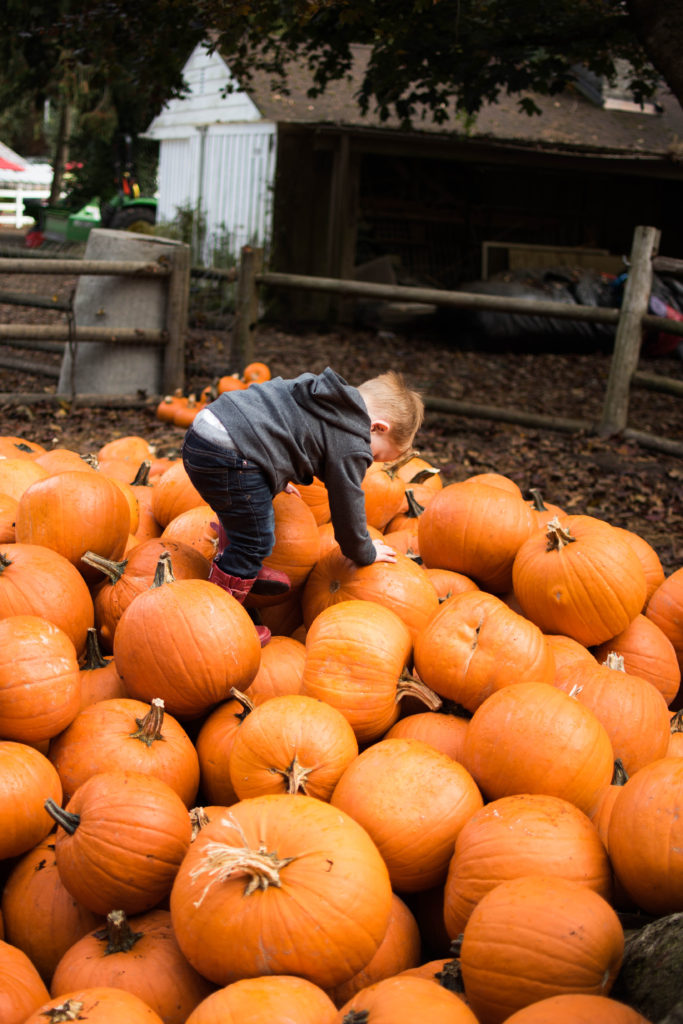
(180, 409)
(433, 795)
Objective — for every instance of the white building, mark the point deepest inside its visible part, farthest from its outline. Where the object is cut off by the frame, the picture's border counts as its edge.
(217, 157)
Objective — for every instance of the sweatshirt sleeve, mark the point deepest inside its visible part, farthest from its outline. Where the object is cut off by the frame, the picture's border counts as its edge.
(347, 508)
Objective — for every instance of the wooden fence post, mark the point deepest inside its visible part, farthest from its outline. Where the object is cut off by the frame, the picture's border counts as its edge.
(177, 304)
(246, 309)
(629, 330)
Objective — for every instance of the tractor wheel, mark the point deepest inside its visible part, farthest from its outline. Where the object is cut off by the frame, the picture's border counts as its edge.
(134, 218)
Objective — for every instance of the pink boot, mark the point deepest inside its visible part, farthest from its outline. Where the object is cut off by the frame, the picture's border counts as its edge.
(268, 582)
(239, 588)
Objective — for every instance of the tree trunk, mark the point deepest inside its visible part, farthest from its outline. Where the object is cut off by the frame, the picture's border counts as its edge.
(659, 27)
(61, 150)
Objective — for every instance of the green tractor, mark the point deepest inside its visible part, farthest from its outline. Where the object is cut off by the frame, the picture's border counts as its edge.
(126, 210)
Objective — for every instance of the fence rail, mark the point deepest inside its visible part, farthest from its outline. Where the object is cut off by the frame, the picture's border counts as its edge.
(12, 205)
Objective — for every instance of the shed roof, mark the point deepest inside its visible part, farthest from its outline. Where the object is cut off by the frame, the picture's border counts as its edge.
(569, 122)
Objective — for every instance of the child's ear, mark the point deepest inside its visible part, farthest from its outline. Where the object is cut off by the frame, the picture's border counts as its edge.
(379, 427)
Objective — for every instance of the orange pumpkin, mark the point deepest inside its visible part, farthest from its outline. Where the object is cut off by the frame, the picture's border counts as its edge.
(413, 801)
(577, 1008)
(27, 779)
(273, 867)
(18, 474)
(195, 527)
(139, 955)
(41, 916)
(649, 559)
(647, 652)
(384, 494)
(214, 744)
(131, 448)
(120, 841)
(297, 544)
(665, 609)
(173, 493)
(536, 936)
(8, 515)
(96, 1005)
(267, 998)
(281, 669)
(443, 729)
(12, 446)
(525, 834)
(404, 999)
(22, 990)
(255, 373)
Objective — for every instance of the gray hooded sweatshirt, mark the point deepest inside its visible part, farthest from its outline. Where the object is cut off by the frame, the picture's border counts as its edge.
(313, 425)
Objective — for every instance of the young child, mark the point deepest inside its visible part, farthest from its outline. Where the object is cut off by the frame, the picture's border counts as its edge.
(249, 445)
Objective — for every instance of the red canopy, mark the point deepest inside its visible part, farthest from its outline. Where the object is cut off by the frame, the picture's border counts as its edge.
(7, 165)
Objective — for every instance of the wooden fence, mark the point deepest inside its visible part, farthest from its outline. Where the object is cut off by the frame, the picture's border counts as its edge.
(630, 321)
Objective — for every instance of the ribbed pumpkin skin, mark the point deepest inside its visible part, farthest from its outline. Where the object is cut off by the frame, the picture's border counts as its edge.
(413, 801)
(291, 744)
(281, 669)
(187, 642)
(577, 1009)
(173, 493)
(40, 916)
(27, 779)
(270, 998)
(355, 654)
(153, 968)
(297, 544)
(134, 831)
(399, 950)
(22, 990)
(443, 731)
(526, 834)
(535, 936)
(649, 559)
(35, 580)
(98, 1005)
(590, 588)
(631, 709)
(111, 732)
(401, 586)
(214, 745)
(475, 529)
(533, 738)
(404, 1000)
(75, 512)
(648, 653)
(475, 645)
(39, 679)
(665, 609)
(384, 494)
(194, 528)
(645, 836)
(18, 474)
(334, 894)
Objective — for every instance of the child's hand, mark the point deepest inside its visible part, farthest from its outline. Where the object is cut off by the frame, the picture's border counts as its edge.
(291, 489)
(384, 552)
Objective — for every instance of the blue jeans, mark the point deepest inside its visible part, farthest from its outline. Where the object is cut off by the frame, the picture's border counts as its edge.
(238, 492)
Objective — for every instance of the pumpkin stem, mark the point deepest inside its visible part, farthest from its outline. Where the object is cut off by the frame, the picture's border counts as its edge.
(450, 975)
(409, 686)
(164, 571)
(114, 570)
(149, 727)
(677, 722)
(537, 503)
(142, 476)
(424, 474)
(93, 654)
(91, 460)
(451, 707)
(619, 775)
(66, 819)
(557, 536)
(246, 702)
(415, 509)
(222, 862)
(615, 661)
(66, 1011)
(199, 820)
(296, 776)
(5, 562)
(412, 453)
(119, 936)
(356, 1017)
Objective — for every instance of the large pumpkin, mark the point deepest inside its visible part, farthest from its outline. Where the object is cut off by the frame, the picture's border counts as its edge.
(475, 645)
(34, 580)
(97, 1005)
(645, 836)
(120, 841)
(27, 779)
(580, 578)
(405, 999)
(297, 544)
(39, 679)
(187, 642)
(22, 989)
(356, 652)
(281, 885)
(75, 512)
(526, 834)
(648, 653)
(534, 738)
(536, 936)
(413, 801)
(272, 998)
(476, 529)
(577, 1008)
(403, 586)
(665, 609)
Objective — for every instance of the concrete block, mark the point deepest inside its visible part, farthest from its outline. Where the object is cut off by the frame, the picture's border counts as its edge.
(117, 301)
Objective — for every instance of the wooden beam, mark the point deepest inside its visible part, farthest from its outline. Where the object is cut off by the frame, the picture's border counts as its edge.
(61, 332)
(29, 265)
(246, 309)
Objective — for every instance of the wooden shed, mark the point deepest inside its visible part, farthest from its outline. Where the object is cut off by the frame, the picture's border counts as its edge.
(325, 189)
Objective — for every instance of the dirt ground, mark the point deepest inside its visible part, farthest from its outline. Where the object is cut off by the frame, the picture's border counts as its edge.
(613, 479)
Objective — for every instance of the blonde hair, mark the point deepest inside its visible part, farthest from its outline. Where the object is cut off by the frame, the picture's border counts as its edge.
(391, 399)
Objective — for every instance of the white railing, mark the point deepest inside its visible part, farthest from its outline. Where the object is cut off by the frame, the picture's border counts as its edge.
(12, 205)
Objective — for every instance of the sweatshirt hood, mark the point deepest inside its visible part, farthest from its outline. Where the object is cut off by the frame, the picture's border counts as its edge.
(331, 399)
